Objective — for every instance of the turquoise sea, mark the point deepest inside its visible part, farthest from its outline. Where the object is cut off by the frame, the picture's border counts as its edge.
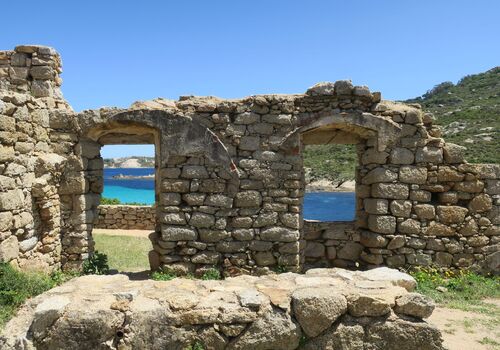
(323, 206)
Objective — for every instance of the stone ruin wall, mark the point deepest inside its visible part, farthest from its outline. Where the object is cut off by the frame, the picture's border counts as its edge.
(230, 178)
(126, 217)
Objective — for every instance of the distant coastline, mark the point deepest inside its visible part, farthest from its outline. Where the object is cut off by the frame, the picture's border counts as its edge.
(133, 177)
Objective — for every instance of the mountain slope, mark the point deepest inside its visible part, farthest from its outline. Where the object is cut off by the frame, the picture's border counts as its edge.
(469, 114)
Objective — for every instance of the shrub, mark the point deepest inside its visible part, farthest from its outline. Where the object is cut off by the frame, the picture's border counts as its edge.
(96, 264)
(163, 276)
(110, 201)
(211, 274)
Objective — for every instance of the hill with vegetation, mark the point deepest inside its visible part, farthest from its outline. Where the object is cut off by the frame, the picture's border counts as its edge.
(468, 113)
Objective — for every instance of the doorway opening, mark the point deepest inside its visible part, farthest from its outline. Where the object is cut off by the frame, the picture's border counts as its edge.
(330, 173)
(126, 214)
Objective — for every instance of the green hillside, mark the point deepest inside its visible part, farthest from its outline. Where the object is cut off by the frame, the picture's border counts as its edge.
(469, 114)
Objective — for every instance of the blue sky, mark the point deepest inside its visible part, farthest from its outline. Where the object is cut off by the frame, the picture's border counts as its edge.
(116, 52)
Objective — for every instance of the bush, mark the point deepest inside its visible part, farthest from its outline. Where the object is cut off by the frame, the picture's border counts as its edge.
(96, 264)
(17, 286)
(163, 275)
(110, 201)
(211, 274)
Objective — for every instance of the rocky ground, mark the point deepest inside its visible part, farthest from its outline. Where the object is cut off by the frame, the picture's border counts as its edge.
(323, 309)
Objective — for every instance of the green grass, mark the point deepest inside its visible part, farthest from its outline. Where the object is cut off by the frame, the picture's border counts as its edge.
(16, 287)
(124, 253)
(465, 290)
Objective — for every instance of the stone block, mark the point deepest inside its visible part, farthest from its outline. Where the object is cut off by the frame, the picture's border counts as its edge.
(453, 153)
(279, 234)
(243, 234)
(414, 304)
(9, 249)
(382, 223)
(350, 251)
(379, 175)
(206, 257)
(314, 250)
(409, 226)
(171, 198)
(178, 233)
(396, 242)
(179, 186)
(372, 156)
(372, 240)
(194, 172)
(173, 218)
(376, 206)
(202, 220)
(401, 156)
(437, 229)
(264, 258)
(249, 143)
(451, 214)
(481, 204)
(213, 235)
(425, 211)
(231, 247)
(413, 175)
(248, 199)
(11, 200)
(401, 208)
(429, 154)
(219, 200)
(390, 191)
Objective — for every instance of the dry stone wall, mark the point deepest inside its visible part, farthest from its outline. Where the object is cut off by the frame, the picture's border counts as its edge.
(230, 178)
(30, 213)
(323, 309)
(126, 217)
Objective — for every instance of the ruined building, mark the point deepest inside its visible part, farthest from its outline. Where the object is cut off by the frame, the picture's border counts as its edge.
(230, 178)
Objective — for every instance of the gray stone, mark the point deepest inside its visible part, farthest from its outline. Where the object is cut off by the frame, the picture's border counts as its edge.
(414, 304)
(317, 308)
(248, 199)
(401, 156)
(177, 233)
(390, 191)
(201, 220)
(376, 206)
(382, 223)
(28, 244)
(194, 172)
(9, 249)
(413, 175)
(279, 234)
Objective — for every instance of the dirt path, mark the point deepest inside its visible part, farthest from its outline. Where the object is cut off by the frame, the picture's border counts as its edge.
(466, 330)
(120, 232)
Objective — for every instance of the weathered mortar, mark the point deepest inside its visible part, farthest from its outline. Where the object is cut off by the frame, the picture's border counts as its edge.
(230, 179)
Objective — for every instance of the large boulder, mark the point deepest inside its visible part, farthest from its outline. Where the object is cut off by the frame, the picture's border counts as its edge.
(317, 309)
